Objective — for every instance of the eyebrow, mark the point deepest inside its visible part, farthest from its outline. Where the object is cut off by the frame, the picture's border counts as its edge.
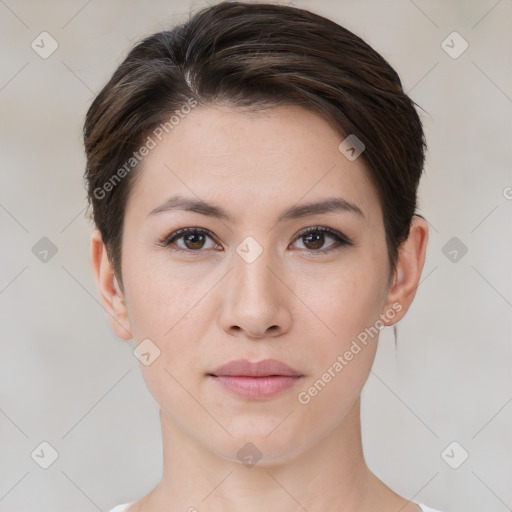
(328, 205)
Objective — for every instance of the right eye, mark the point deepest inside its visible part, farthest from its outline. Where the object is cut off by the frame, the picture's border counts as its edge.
(193, 239)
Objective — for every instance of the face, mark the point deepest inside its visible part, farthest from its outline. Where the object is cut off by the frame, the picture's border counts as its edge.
(301, 289)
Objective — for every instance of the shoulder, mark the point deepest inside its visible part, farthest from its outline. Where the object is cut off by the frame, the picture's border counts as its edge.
(424, 508)
(124, 507)
(121, 508)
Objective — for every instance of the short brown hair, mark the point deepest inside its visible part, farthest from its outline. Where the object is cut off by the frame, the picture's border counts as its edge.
(255, 56)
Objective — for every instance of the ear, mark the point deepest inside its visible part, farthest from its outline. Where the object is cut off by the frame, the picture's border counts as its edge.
(411, 258)
(111, 296)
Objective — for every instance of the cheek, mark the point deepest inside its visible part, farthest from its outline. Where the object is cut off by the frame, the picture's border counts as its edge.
(349, 305)
(168, 305)
(167, 311)
(342, 356)
(337, 300)
(159, 293)
(347, 300)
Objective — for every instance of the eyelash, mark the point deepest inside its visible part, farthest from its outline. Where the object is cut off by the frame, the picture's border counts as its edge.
(340, 239)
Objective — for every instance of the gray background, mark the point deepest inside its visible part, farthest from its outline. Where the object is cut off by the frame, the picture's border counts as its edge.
(66, 379)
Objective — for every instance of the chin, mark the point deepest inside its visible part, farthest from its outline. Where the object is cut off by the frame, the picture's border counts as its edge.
(259, 446)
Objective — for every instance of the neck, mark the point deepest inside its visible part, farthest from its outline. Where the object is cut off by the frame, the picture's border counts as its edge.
(332, 475)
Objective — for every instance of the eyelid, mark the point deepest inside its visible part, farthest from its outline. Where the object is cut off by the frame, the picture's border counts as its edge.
(180, 233)
(324, 229)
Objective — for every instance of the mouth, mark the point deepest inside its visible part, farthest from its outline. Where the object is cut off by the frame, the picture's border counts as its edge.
(258, 380)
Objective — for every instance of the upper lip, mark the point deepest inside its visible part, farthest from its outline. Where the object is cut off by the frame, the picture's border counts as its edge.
(264, 368)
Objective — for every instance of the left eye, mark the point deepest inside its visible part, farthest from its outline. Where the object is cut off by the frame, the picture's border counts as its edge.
(316, 237)
(194, 239)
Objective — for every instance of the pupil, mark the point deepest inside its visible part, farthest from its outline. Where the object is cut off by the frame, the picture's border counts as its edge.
(318, 237)
(197, 235)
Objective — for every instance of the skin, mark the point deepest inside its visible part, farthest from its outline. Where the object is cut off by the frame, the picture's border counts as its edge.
(208, 306)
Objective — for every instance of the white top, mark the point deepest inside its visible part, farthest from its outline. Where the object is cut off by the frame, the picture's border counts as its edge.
(124, 506)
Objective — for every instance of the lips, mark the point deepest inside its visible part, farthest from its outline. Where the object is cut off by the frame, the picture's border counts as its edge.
(259, 380)
(264, 368)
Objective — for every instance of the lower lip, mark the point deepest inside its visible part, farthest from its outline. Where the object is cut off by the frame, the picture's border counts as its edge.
(256, 387)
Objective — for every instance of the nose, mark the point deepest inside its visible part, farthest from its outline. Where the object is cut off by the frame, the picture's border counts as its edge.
(256, 299)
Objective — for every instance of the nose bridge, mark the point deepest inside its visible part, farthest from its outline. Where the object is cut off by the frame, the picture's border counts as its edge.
(253, 298)
(253, 280)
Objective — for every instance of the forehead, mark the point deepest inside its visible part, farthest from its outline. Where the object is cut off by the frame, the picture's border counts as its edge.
(242, 159)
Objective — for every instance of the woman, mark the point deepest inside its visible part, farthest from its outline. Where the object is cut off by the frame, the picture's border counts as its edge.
(253, 176)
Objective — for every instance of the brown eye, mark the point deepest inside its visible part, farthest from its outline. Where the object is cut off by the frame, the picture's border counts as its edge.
(314, 239)
(196, 239)
(193, 239)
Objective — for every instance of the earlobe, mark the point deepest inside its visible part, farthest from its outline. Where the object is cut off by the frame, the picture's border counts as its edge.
(411, 258)
(111, 295)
